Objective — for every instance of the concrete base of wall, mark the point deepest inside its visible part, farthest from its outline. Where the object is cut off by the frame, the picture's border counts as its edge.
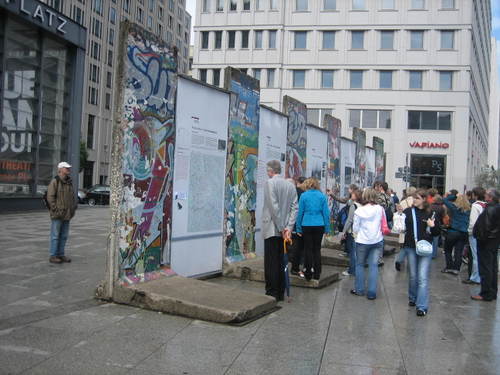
(195, 299)
(390, 245)
(253, 270)
(333, 257)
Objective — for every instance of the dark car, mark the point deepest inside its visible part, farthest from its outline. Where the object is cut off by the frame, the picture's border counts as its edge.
(98, 194)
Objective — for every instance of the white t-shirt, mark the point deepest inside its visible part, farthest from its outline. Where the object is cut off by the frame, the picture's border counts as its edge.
(367, 223)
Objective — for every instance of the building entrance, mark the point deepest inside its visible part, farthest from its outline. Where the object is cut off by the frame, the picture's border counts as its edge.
(428, 171)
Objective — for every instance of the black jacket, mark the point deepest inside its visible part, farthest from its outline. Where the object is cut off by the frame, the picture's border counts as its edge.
(423, 233)
(487, 225)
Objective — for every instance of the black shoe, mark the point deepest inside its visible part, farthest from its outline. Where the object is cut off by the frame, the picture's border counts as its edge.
(397, 265)
(421, 313)
(353, 291)
(470, 282)
(411, 303)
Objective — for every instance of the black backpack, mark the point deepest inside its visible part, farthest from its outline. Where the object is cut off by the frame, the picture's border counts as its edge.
(44, 196)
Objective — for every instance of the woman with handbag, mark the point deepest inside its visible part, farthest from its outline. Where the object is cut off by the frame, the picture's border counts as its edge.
(420, 228)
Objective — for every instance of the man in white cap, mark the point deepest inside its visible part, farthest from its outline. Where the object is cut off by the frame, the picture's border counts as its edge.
(62, 206)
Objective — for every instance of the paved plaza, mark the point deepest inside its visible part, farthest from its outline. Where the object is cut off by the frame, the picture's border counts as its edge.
(51, 324)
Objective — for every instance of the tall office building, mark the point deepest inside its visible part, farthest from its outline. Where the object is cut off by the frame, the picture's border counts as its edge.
(413, 72)
(167, 19)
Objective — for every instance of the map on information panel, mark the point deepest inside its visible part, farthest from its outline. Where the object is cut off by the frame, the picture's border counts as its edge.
(205, 201)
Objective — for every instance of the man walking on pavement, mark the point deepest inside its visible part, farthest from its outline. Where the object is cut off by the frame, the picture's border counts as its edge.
(278, 219)
(62, 205)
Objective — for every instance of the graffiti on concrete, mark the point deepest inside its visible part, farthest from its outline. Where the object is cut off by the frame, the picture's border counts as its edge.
(359, 136)
(295, 165)
(241, 169)
(378, 145)
(333, 126)
(148, 131)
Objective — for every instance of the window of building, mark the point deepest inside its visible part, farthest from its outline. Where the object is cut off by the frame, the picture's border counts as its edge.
(216, 77)
(370, 118)
(385, 79)
(205, 35)
(416, 79)
(358, 4)
(429, 120)
(160, 13)
(244, 38)
(94, 73)
(357, 39)
(445, 81)
(259, 4)
(388, 4)
(205, 5)
(272, 39)
(107, 101)
(151, 5)
(112, 15)
(139, 16)
(233, 5)
(109, 79)
(300, 40)
(90, 131)
(111, 37)
(270, 77)
(328, 40)
(218, 39)
(387, 39)
(219, 7)
(95, 50)
(301, 5)
(316, 115)
(110, 57)
(356, 79)
(246, 4)
(273, 4)
(126, 6)
(447, 39)
(256, 73)
(97, 7)
(447, 4)
(257, 38)
(96, 27)
(150, 22)
(78, 15)
(231, 39)
(417, 39)
(203, 75)
(299, 78)
(327, 79)
(417, 4)
(329, 4)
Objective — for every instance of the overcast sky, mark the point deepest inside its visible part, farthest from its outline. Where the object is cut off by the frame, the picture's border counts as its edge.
(495, 5)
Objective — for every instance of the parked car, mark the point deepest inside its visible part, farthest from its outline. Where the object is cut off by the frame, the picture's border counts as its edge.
(81, 195)
(98, 194)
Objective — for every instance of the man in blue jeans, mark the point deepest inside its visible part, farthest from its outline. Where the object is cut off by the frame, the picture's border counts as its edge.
(62, 205)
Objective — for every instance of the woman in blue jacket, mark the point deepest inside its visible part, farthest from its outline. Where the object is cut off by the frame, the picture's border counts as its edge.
(456, 238)
(313, 220)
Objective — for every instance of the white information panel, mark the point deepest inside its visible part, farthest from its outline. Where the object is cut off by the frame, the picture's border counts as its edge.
(272, 146)
(370, 166)
(200, 164)
(347, 163)
(317, 154)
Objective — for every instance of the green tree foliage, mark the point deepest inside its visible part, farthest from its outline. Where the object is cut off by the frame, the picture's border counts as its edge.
(489, 178)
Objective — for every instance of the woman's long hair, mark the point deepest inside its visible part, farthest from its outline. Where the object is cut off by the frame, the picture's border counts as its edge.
(462, 203)
(311, 184)
(422, 193)
(370, 196)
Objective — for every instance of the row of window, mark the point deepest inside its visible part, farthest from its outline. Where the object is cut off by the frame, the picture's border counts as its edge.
(417, 120)
(356, 77)
(327, 5)
(93, 98)
(300, 39)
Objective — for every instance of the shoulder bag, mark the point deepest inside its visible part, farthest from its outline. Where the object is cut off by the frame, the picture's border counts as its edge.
(423, 247)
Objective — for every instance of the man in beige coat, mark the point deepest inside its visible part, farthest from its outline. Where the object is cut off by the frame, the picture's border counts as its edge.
(278, 218)
(62, 205)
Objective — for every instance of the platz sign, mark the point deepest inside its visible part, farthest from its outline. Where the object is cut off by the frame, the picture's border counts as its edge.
(40, 13)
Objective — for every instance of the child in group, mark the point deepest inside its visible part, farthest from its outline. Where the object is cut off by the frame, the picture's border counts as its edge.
(398, 227)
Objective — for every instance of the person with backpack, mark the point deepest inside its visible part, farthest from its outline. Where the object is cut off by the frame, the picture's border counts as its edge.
(477, 208)
(62, 203)
(354, 203)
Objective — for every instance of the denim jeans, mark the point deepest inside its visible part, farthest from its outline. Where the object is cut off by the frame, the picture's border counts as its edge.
(59, 230)
(435, 246)
(474, 275)
(401, 255)
(418, 285)
(351, 249)
(367, 254)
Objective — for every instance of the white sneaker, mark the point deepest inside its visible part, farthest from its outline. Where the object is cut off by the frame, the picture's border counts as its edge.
(346, 273)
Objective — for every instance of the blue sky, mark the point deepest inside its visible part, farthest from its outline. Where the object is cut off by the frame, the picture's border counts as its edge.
(495, 9)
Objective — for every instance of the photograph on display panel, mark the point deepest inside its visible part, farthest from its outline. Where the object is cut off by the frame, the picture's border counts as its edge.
(296, 154)
(359, 137)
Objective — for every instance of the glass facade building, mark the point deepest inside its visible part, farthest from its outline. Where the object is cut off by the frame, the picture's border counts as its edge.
(40, 99)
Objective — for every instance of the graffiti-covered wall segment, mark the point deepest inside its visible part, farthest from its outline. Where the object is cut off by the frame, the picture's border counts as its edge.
(148, 131)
